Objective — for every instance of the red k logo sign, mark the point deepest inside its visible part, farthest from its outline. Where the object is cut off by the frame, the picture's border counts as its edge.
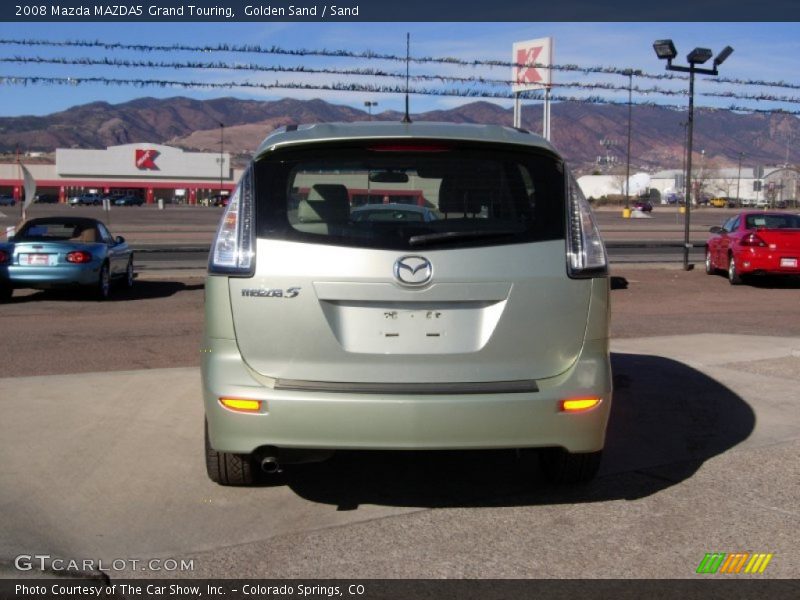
(145, 159)
(528, 56)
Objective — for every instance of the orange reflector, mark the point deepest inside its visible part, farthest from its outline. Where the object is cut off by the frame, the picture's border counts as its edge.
(241, 405)
(579, 404)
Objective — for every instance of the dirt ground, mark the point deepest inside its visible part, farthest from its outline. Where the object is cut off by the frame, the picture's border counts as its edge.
(648, 302)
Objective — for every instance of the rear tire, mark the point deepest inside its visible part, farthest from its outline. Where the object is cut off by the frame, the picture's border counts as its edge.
(129, 274)
(560, 466)
(6, 291)
(103, 285)
(226, 468)
(710, 270)
(733, 275)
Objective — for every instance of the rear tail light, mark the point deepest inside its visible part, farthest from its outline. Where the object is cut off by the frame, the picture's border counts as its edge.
(79, 257)
(753, 240)
(586, 253)
(232, 252)
(4, 257)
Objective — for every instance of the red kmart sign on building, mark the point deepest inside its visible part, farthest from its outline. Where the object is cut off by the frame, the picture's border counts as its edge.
(146, 161)
(150, 170)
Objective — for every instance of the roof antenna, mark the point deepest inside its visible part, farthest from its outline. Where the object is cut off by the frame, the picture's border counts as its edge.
(407, 117)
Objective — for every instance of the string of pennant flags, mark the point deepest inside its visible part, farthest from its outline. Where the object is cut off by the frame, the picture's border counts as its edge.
(371, 55)
(340, 87)
(473, 86)
(220, 65)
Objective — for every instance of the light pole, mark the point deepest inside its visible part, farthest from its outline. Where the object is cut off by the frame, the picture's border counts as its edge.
(369, 104)
(701, 179)
(630, 73)
(685, 125)
(665, 50)
(221, 156)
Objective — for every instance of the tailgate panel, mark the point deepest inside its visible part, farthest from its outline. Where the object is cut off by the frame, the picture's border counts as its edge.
(499, 313)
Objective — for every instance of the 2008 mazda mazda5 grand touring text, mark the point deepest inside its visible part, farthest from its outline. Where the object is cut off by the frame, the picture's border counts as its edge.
(471, 314)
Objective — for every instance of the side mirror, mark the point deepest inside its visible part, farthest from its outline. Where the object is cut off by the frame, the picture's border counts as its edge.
(716, 229)
(119, 240)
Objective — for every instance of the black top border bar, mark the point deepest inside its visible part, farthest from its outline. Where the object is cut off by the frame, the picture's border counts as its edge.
(332, 11)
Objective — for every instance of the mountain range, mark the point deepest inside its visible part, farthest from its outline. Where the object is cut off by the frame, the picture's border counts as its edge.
(581, 131)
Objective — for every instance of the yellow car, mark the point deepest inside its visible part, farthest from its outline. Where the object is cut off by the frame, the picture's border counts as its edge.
(720, 202)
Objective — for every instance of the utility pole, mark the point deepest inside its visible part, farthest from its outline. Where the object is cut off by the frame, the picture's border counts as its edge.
(221, 157)
(739, 180)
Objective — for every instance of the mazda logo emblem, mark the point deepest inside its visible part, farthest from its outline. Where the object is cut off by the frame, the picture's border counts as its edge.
(413, 270)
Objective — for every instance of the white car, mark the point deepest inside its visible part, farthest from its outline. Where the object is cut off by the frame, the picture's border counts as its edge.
(86, 200)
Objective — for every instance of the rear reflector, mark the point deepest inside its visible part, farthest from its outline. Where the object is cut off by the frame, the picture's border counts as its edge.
(3, 257)
(241, 405)
(579, 404)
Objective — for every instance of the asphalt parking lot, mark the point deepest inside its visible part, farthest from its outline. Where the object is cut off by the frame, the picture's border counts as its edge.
(102, 449)
(701, 452)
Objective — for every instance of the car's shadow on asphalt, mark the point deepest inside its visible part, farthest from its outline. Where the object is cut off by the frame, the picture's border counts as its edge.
(666, 420)
(780, 283)
(142, 290)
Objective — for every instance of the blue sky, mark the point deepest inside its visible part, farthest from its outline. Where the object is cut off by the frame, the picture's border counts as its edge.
(763, 51)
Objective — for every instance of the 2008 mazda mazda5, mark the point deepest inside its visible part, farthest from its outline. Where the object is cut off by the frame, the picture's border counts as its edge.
(405, 286)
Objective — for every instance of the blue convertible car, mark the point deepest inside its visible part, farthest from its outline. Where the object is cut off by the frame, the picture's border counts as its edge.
(54, 252)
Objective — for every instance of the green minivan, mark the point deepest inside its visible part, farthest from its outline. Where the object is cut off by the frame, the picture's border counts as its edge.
(468, 310)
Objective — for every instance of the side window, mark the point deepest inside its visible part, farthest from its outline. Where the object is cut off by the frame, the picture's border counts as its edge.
(104, 234)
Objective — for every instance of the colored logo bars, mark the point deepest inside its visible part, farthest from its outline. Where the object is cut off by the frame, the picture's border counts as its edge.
(734, 563)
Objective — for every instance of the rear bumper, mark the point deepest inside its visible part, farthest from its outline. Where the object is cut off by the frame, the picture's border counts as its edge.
(767, 262)
(294, 419)
(46, 277)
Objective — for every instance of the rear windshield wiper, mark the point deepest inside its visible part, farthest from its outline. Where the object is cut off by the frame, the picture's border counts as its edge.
(446, 236)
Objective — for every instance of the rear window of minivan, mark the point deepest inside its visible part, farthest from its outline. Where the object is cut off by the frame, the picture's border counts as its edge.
(391, 195)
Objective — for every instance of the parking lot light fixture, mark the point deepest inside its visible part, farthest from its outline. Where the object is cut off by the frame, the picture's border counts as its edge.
(698, 56)
(665, 50)
(720, 58)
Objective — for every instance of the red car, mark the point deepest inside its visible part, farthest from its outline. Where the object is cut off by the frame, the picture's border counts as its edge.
(755, 243)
